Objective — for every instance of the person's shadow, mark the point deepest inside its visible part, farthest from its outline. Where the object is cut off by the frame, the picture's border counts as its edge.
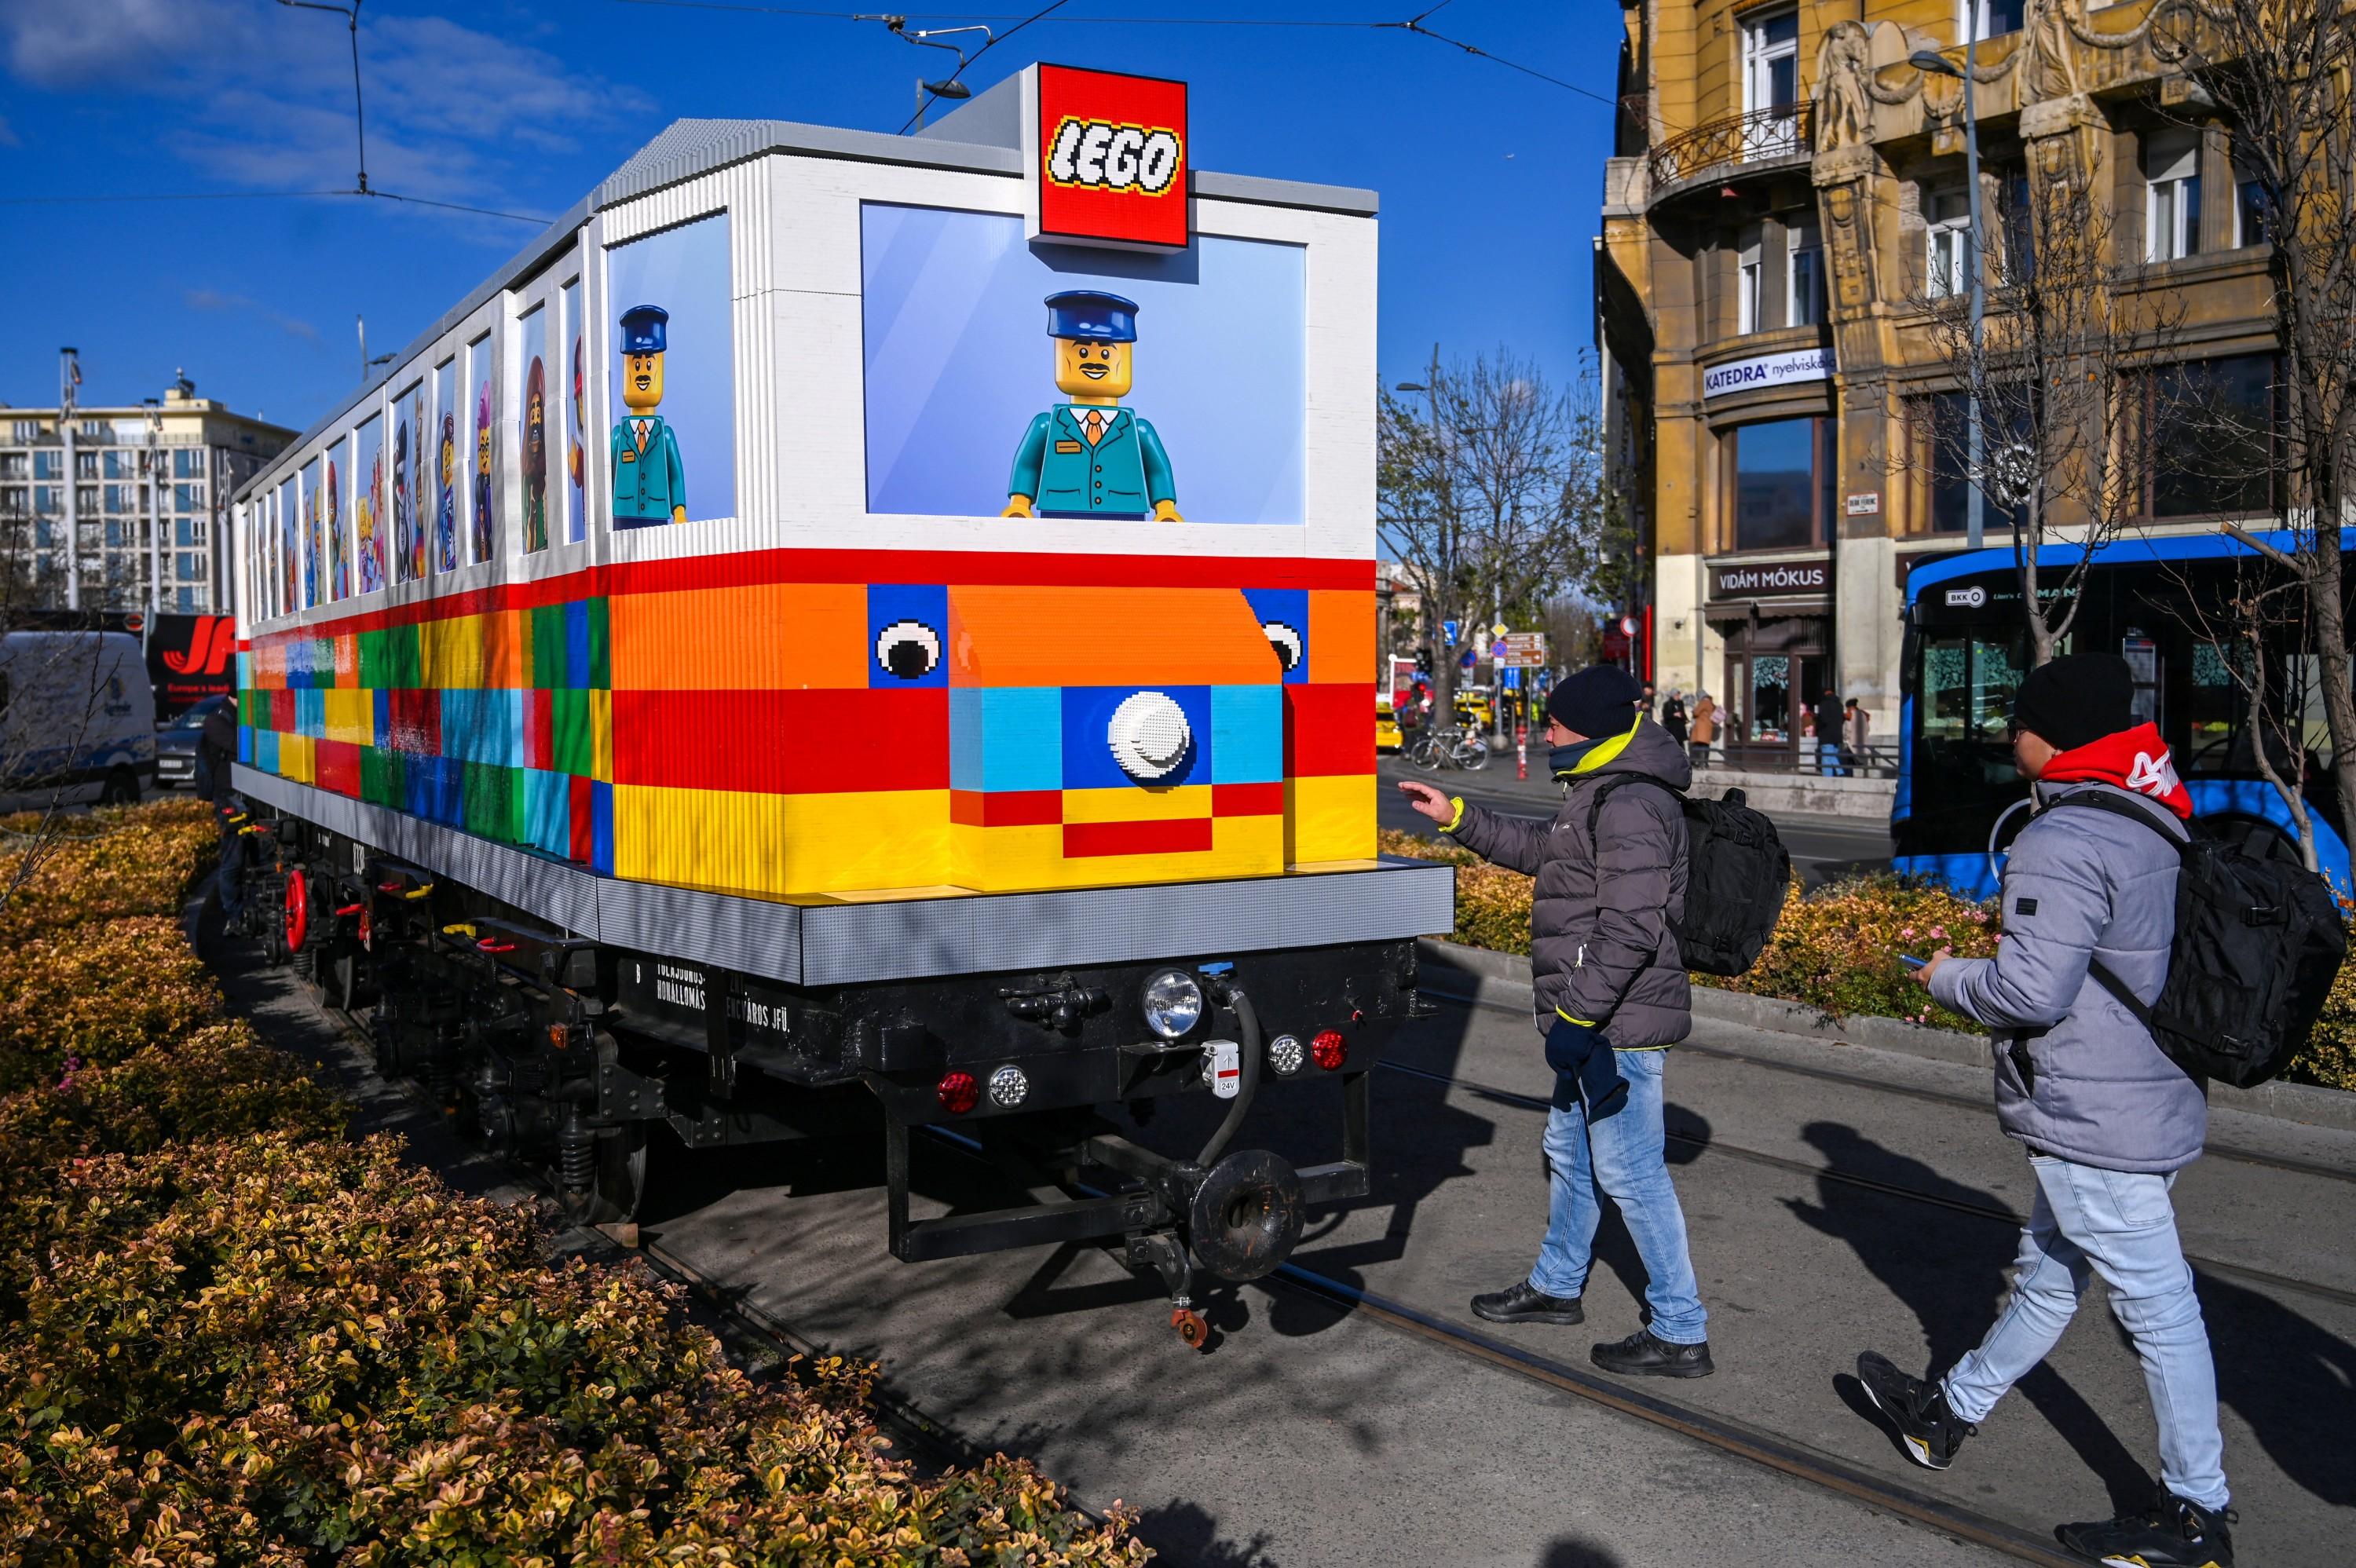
(1950, 1273)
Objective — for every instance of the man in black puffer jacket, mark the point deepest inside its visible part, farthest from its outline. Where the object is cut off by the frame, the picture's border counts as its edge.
(1611, 997)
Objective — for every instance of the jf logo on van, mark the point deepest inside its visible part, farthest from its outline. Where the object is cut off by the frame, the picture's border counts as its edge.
(1105, 158)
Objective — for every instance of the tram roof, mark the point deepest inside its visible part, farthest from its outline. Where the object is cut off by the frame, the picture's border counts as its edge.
(2142, 549)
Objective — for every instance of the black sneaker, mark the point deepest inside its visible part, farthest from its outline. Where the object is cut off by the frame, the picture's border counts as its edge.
(1526, 1303)
(1917, 1410)
(1641, 1355)
(2169, 1533)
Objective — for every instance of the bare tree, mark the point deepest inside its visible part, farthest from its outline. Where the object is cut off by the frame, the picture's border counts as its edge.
(2281, 74)
(2058, 375)
(1490, 493)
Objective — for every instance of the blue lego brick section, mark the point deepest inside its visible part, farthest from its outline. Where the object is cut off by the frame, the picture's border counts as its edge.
(576, 645)
(907, 634)
(436, 789)
(1285, 608)
(1007, 737)
(1246, 734)
(311, 711)
(601, 807)
(548, 811)
(483, 726)
(1087, 721)
(264, 748)
(383, 737)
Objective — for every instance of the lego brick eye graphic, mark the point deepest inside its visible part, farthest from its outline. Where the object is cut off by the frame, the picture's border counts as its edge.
(908, 649)
(1173, 386)
(907, 634)
(1283, 617)
(1286, 641)
(672, 381)
(1090, 457)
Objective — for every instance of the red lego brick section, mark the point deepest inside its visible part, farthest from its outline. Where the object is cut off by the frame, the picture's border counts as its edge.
(1328, 729)
(1247, 800)
(1008, 808)
(820, 742)
(282, 710)
(539, 744)
(1083, 840)
(415, 721)
(583, 818)
(338, 764)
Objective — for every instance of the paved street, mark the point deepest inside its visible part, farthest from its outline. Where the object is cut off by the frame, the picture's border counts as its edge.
(1826, 1218)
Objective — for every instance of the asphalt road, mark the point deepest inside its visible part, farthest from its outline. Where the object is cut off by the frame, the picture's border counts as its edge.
(1826, 1218)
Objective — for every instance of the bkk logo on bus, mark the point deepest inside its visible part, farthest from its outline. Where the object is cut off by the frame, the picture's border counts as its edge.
(1107, 158)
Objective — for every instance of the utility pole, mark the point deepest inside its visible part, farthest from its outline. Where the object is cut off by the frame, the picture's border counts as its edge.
(155, 522)
(70, 379)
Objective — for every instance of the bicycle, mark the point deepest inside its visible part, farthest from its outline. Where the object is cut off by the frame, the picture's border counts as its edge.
(1433, 750)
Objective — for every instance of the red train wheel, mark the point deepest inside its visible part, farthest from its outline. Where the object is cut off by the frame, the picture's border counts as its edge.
(298, 910)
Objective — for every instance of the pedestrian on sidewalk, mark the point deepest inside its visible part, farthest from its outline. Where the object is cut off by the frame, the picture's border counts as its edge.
(1853, 733)
(2108, 1118)
(1831, 720)
(216, 748)
(1611, 996)
(1673, 715)
(1704, 730)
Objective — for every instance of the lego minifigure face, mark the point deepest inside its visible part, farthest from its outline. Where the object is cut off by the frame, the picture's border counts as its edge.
(1098, 373)
(642, 380)
(482, 452)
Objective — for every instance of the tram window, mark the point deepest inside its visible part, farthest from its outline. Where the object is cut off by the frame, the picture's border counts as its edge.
(1966, 686)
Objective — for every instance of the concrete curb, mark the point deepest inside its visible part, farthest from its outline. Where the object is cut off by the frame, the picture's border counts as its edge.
(1501, 980)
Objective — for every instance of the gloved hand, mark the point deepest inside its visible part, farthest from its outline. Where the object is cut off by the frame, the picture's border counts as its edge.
(1587, 1073)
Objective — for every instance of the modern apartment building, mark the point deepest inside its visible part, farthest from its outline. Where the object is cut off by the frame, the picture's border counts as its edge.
(104, 502)
(1784, 222)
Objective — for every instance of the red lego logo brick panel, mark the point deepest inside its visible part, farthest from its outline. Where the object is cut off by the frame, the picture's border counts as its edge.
(1112, 159)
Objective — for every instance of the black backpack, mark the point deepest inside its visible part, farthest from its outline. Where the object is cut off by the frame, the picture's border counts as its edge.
(2258, 944)
(1736, 874)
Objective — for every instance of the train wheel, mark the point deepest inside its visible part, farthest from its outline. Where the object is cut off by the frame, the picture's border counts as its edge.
(620, 1181)
(1190, 1327)
(296, 927)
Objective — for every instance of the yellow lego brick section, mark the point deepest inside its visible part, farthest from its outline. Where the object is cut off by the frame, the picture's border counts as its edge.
(1341, 636)
(295, 758)
(1182, 804)
(778, 845)
(450, 653)
(1329, 818)
(1014, 860)
(601, 736)
(350, 715)
(767, 636)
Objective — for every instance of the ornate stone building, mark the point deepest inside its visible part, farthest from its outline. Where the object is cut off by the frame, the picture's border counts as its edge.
(1786, 214)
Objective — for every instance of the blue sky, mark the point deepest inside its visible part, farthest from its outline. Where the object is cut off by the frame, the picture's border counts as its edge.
(1489, 179)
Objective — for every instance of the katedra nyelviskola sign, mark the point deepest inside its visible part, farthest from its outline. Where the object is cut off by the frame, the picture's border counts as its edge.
(1105, 158)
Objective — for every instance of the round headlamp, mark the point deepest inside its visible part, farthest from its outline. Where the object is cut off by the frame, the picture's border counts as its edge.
(1286, 1055)
(1173, 1003)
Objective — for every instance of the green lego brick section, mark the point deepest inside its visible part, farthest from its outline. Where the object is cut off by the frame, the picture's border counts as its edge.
(601, 676)
(382, 778)
(494, 801)
(403, 660)
(548, 646)
(375, 669)
(572, 743)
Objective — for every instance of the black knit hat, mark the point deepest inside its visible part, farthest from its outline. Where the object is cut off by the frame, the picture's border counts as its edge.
(1599, 701)
(2076, 699)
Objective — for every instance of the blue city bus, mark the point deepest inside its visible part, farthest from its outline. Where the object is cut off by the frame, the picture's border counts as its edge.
(1959, 800)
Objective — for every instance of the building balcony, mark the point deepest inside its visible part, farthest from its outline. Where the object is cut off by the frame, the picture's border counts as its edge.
(1763, 141)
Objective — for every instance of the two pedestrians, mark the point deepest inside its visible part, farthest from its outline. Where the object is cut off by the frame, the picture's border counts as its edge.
(1609, 997)
(2106, 1118)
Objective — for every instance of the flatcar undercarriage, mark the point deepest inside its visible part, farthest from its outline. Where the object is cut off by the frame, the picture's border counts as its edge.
(566, 1055)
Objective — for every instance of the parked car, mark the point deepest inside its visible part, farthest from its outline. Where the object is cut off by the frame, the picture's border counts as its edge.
(1386, 725)
(175, 744)
(1476, 710)
(77, 719)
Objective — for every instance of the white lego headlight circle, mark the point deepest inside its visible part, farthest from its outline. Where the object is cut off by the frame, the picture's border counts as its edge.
(1149, 735)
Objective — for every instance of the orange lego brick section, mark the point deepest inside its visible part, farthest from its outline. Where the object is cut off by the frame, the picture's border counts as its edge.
(767, 636)
(1106, 636)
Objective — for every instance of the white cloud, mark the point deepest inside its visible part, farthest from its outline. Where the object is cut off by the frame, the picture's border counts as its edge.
(263, 93)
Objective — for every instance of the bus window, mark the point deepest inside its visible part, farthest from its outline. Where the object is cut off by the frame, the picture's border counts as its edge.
(1966, 686)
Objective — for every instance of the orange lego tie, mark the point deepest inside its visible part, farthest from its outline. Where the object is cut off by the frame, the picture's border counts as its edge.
(1096, 426)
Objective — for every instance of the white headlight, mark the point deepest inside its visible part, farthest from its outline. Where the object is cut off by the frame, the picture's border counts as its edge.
(1149, 735)
(1174, 1003)
(1008, 1086)
(1285, 1055)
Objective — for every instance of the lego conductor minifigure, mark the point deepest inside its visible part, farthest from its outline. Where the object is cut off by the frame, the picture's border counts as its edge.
(1090, 457)
(650, 483)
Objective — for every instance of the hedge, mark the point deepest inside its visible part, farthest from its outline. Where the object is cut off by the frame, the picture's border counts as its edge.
(231, 1335)
(1834, 949)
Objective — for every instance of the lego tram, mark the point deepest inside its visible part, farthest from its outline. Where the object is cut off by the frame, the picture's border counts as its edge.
(697, 692)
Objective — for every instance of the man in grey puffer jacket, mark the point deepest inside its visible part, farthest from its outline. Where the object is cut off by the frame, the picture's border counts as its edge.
(2108, 1118)
(1611, 996)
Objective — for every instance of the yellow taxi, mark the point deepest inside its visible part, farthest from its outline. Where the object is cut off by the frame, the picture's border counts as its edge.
(1386, 725)
(1475, 710)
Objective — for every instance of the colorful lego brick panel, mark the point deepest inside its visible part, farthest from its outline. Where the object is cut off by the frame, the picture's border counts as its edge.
(757, 725)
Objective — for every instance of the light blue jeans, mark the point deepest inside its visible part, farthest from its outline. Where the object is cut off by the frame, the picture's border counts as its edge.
(2121, 1225)
(1622, 1158)
(1829, 761)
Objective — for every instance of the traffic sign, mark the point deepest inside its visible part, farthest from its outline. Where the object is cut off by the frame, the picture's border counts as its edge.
(1447, 630)
(1498, 630)
(1522, 650)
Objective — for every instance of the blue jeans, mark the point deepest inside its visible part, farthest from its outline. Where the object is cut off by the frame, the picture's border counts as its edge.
(1621, 1158)
(228, 882)
(1829, 761)
(2118, 1224)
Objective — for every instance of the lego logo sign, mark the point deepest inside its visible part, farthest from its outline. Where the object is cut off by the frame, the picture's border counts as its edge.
(1107, 155)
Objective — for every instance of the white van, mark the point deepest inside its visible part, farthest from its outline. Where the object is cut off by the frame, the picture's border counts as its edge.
(77, 719)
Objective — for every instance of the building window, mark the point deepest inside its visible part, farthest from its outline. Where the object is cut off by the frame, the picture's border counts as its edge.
(1781, 474)
(2017, 228)
(187, 497)
(13, 465)
(189, 530)
(1943, 423)
(2252, 211)
(1770, 83)
(27, 431)
(191, 568)
(1994, 17)
(12, 501)
(1746, 285)
(188, 463)
(1803, 304)
(2171, 165)
(2214, 438)
(96, 430)
(45, 500)
(86, 500)
(1948, 266)
(49, 465)
(85, 465)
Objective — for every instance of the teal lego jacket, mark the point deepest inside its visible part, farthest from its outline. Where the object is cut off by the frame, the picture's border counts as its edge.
(648, 483)
(1125, 475)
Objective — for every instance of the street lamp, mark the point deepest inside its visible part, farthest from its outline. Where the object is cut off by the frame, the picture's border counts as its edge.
(1932, 63)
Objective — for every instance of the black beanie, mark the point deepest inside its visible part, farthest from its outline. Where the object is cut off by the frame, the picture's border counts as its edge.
(1599, 701)
(2076, 700)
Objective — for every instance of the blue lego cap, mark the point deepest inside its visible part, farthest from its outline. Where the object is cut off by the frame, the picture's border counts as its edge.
(642, 328)
(1092, 318)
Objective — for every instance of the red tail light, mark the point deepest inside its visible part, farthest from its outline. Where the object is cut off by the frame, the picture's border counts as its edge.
(1329, 1050)
(957, 1092)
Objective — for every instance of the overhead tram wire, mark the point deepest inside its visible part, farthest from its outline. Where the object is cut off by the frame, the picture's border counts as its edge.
(933, 96)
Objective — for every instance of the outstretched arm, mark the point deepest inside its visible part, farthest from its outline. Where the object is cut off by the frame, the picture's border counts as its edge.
(1030, 457)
